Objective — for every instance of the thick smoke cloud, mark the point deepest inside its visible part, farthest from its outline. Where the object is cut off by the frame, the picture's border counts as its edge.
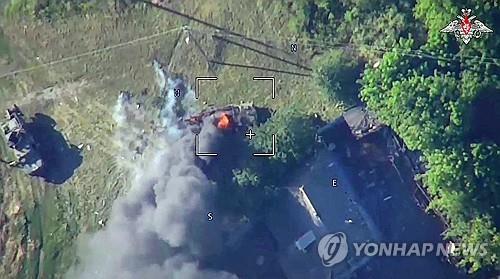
(159, 228)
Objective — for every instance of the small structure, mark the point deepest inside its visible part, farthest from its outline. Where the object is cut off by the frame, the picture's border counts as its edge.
(20, 142)
(357, 121)
(361, 121)
(305, 241)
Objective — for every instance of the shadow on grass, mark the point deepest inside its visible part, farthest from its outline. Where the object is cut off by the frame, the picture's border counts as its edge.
(60, 159)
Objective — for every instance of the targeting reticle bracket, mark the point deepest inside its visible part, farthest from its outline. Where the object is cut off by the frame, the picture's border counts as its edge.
(197, 95)
(197, 85)
(273, 94)
(273, 152)
(197, 148)
(197, 152)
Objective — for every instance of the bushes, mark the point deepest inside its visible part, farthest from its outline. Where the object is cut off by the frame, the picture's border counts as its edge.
(262, 177)
(336, 72)
(374, 23)
(54, 9)
(21, 7)
(294, 136)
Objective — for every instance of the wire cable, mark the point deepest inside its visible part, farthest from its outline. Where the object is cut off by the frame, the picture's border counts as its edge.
(411, 53)
(95, 51)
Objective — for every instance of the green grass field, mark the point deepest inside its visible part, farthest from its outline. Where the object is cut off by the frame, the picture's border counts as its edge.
(44, 220)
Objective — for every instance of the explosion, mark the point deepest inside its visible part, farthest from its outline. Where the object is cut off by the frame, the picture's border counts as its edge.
(224, 121)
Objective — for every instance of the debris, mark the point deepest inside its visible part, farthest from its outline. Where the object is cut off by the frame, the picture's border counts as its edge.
(260, 260)
(305, 241)
(331, 146)
(231, 117)
(370, 185)
(89, 147)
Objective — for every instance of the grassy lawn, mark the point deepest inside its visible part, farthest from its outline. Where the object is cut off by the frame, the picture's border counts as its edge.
(44, 220)
(4, 49)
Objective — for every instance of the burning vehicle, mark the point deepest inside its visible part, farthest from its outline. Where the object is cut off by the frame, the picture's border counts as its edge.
(20, 142)
(234, 118)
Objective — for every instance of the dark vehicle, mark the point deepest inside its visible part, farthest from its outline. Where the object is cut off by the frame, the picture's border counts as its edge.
(22, 146)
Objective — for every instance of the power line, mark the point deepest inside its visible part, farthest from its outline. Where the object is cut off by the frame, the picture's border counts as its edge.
(209, 24)
(411, 52)
(88, 53)
(327, 45)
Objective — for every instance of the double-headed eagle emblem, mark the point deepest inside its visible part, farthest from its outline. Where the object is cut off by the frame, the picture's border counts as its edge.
(466, 27)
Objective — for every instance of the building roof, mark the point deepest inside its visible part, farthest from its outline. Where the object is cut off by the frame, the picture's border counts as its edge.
(361, 121)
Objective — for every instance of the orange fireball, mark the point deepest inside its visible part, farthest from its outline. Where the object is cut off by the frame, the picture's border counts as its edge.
(224, 121)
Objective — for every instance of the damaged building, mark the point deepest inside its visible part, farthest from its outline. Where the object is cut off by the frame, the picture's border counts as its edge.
(374, 199)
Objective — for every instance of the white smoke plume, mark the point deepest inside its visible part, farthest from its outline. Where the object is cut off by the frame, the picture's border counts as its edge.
(159, 228)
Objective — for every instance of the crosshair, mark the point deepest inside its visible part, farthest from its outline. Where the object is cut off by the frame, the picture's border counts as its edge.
(250, 134)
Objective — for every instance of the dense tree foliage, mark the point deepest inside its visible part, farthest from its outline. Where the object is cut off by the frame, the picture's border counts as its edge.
(294, 132)
(336, 72)
(354, 23)
(426, 86)
(259, 180)
(422, 109)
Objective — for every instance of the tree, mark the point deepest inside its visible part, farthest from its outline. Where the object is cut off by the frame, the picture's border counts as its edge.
(429, 103)
(294, 133)
(486, 168)
(421, 109)
(480, 243)
(246, 177)
(436, 15)
(259, 181)
(337, 72)
(450, 184)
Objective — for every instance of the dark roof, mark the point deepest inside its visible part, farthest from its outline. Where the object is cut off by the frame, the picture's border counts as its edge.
(361, 121)
(354, 124)
(337, 131)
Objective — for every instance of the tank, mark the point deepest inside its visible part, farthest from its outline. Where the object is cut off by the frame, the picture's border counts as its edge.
(21, 145)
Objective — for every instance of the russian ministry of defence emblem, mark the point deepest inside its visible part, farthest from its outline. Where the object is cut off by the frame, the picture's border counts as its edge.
(466, 27)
